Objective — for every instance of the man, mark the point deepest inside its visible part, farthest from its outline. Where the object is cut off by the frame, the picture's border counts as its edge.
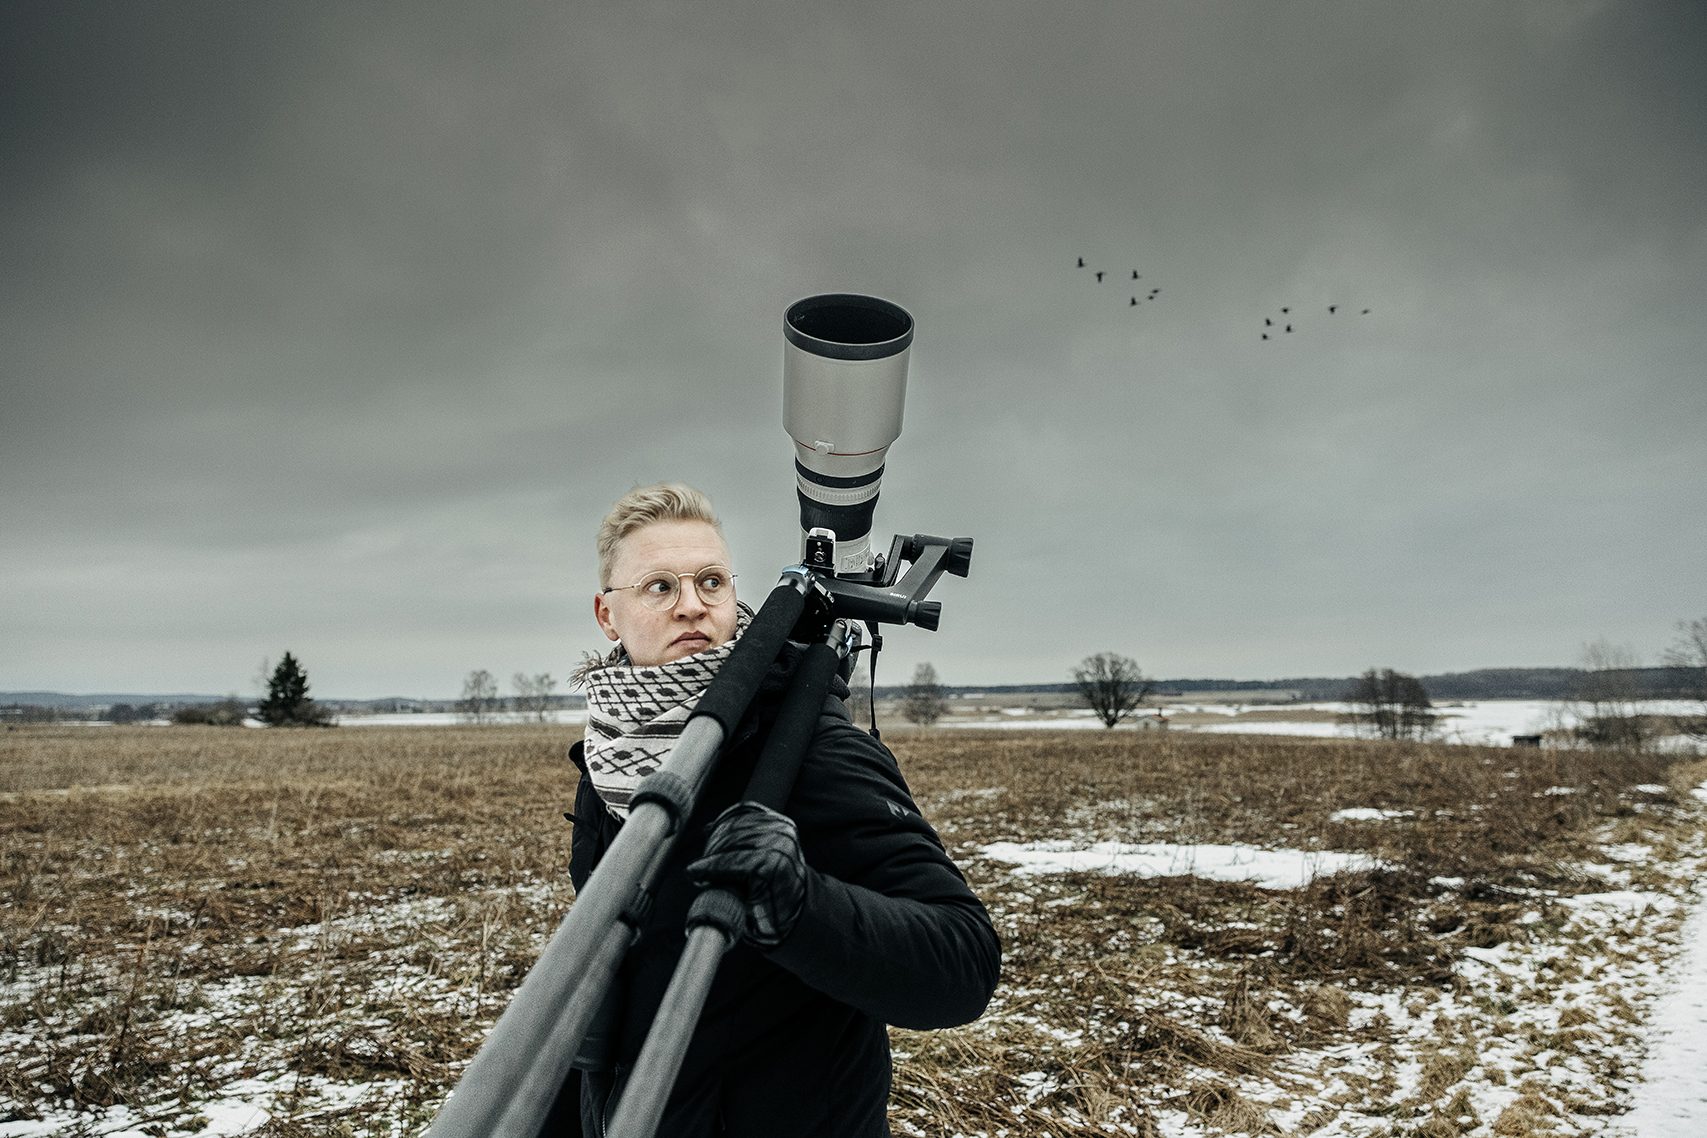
(855, 917)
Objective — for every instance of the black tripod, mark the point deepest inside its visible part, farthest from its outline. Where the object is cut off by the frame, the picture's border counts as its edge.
(509, 1087)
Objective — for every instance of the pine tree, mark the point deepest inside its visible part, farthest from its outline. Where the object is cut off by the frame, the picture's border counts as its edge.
(287, 703)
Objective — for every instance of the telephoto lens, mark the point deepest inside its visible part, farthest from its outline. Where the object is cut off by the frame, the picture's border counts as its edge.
(844, 388)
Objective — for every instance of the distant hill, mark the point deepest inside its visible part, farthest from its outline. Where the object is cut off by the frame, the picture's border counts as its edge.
(100, 699)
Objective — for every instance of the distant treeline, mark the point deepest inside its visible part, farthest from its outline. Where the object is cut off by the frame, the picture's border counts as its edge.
(1484, 683)
(46, 707)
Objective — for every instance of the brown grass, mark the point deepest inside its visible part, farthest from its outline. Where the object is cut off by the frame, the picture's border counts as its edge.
(185, 908)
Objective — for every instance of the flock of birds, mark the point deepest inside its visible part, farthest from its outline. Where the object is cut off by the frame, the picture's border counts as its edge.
(1285, 322)
(1132, 302)
(1273, 326)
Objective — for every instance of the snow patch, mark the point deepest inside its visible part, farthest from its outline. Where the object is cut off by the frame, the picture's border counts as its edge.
(1368, 814)
(1269, 868)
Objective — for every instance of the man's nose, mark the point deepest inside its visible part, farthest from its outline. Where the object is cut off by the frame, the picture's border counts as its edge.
(688, 603)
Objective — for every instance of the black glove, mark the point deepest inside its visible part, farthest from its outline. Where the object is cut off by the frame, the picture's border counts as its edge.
(754, 853)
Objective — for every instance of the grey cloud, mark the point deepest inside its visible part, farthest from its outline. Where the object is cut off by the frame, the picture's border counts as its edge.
(353, 321)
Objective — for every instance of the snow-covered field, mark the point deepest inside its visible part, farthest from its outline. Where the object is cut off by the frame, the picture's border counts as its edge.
(1488, 722)
(575, 716)
(1582, 1011)
(1612, 975)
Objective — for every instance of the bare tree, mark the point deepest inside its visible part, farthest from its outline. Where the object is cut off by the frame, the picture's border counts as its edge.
(923, 700)
(228, 712)
(1606, 703)
(479, 700)
(859, 696)
(1390, 705)
(1689, 653)
(533, 694)
(1111, 685)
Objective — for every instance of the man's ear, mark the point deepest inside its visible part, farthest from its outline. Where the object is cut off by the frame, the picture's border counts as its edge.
(601, 613)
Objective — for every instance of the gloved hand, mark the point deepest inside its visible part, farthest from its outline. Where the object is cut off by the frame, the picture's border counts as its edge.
(754, 853)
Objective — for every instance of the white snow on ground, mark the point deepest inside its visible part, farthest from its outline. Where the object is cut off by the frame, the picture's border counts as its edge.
(1321, 730)
(1367, 814)
(245, 1104)
(1019, 718)
(457, 719)
(245, 1107)
(1272, 869)
(1671, 1101)
(239, 1115)
(1487, 722)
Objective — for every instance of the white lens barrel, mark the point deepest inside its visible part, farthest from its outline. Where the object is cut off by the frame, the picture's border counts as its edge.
(844, 506)
(844, 388)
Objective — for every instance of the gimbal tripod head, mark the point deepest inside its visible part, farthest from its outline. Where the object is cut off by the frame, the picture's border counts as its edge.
(879, 597)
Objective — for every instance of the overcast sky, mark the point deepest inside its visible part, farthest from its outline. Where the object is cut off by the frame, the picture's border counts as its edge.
(336, 328)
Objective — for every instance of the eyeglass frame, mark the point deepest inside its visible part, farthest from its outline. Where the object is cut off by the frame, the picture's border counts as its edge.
(693, 578)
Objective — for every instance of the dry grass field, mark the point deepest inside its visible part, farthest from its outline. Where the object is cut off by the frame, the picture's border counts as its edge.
(307, 932)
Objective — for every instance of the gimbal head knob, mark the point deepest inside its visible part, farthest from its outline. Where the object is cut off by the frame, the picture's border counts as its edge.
(959, 559)
(927, 615)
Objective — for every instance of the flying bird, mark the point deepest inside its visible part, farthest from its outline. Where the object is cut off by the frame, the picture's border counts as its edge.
(1331, 308)
(1081, 262)
(1267, 323)
(1132, 302)
(1289, 327)
(1135, 275)
(1099, 276)
(1365, 312)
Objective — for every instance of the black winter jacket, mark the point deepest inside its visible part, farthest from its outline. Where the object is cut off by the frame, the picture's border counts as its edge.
(792, 1041)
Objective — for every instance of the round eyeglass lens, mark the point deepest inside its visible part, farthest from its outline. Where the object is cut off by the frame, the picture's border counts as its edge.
(658, 590)
(712, 584)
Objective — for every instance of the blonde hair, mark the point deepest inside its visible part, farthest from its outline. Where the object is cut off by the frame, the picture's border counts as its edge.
(643, 505)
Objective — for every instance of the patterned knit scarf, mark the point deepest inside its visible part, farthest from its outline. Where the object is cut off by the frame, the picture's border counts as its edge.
(635, 714)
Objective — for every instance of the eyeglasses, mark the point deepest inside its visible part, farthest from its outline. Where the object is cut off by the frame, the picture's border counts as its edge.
(660, 591)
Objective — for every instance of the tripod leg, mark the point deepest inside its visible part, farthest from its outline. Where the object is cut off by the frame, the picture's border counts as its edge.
(654, 1075)
(717, 916)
